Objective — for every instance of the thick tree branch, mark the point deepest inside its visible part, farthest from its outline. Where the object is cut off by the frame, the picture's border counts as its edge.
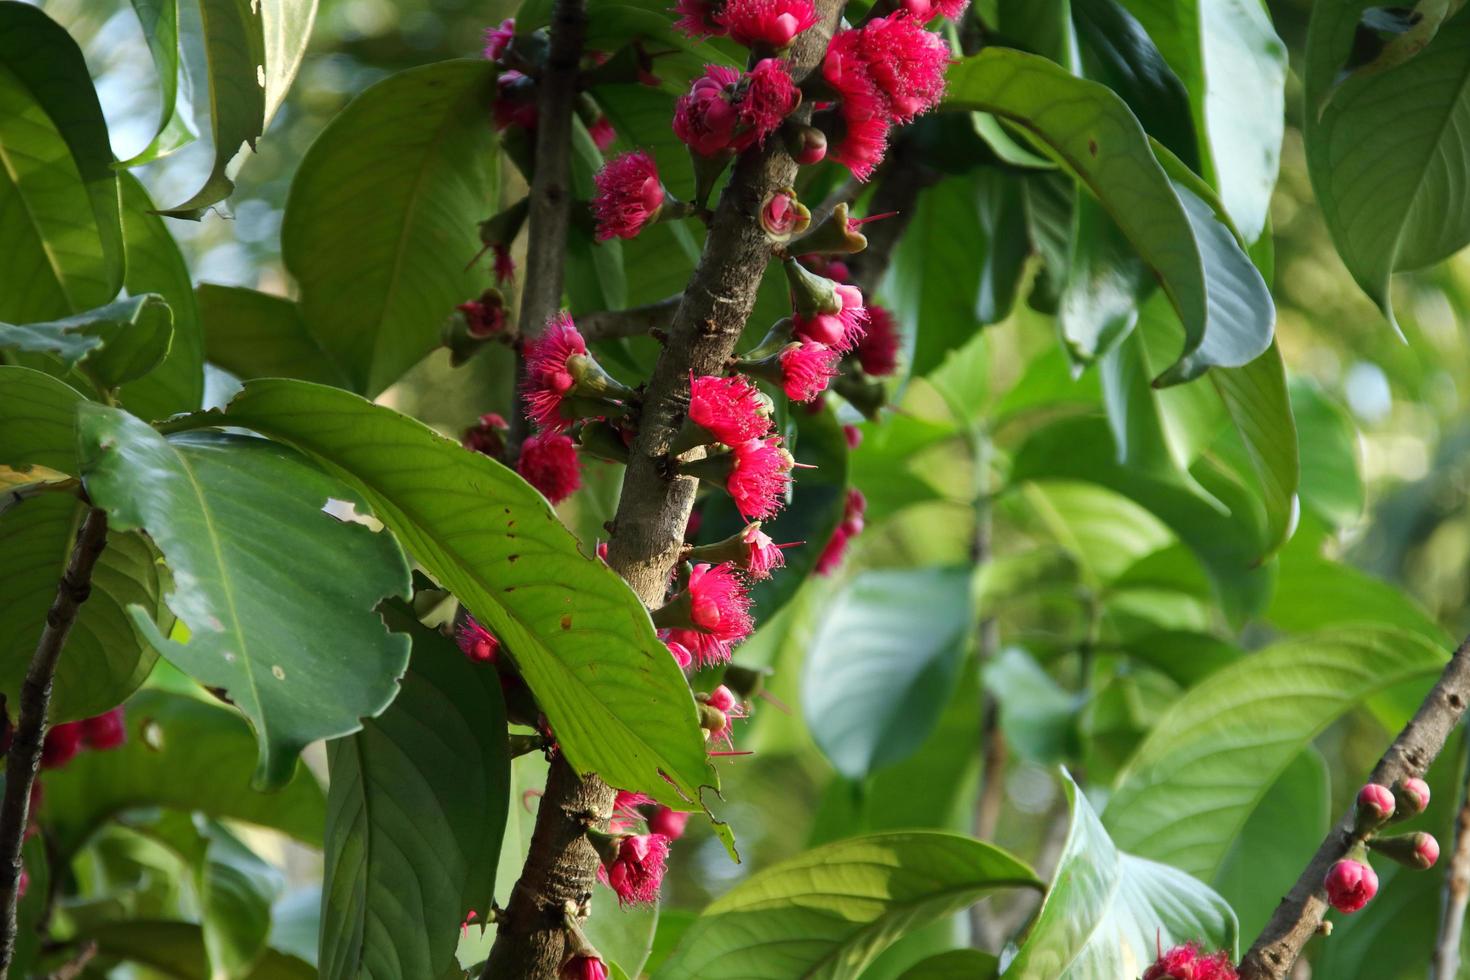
(635, 322)
(24, 757)
(1296, 919)
(1445, 964)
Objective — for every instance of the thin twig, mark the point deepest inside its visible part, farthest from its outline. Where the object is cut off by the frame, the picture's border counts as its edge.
(24, 757)
(1445, 964)
(1296, 919)
(610, 324)
(77, 965)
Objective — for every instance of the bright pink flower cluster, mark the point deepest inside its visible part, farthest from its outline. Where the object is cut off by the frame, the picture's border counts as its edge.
(498, 38)
(719, 611)
(730, 409)
(486, 436)
(584, 968)
(851, 526)
(762, 554)
(807, 367)
(476, 642)
(763, 23)
(759, 477)
(927, 10)
(629, 195)
(637, 872)
(886, 72)
(548, 376)
(724, 701)
(1188, 962)
(548, 462)
(726, 111)
(842, 330)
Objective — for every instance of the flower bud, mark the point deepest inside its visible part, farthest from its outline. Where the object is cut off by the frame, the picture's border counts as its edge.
(1411, 797)
(1350, 885)
(811, 294)
(806, 144)
(1374, 806)
(783, 216)
(1417, 850)
(838, 235)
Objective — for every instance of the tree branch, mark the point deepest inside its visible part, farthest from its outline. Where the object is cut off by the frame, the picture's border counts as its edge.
(1445, 964)
(24, 757)
(635, 322)
(1296, 919)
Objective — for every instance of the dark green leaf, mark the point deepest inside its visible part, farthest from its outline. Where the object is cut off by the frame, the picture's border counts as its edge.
(236, 888)
(617, 701)
(119, 342)
(415, 815)
(59, 214)
(825, 914)
(1389, 36)
(1108, 911)
(866, 705)
(957, 964)
(181, 753)
(296, 645)
(256, 335)
(177, 951)
(1202, 771)
(380, 223)
(1105, 281)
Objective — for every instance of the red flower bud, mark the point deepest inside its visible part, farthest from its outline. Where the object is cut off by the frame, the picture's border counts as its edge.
(1412, 797)
(1374, 806)
(1350, 885)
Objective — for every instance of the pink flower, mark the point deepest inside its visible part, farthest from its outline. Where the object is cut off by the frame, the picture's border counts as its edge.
(760, 477)
(705, 118)
(808, 146)
(763, 556)
(726, 707)
(485, 436)
(900, 64)
(806, 369)
(482, 319)
(548, 377)
(730, 409)
(637, 872)
(1187, 962)
(602, 132)
(783, 216)
(498, 38)
(476, 642)
(105, 731)
(925, 10)
(697, 18)
(678, 650)
(629, 195)
(1350, 885)
(584, 968)
(718, 602)
(767, 97)
(769, 23)
(851, 527)
(1375, 803)
(668, 823)
(625, 810)
(515, 100)
(505, 266)
(548, 462)
(877, 352)
(61, 744)
(842, 330)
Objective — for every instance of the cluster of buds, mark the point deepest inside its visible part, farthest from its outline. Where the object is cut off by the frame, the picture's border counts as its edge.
(1351, 882)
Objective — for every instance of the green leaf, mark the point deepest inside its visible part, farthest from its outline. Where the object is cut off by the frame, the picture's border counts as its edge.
(256, 335)
(106, 658)
(380, 221)
(1332, 486)
(1038, 717)
(1389, 211)
(829, 912)
(865, 706)
(236, 888)
(159, 20)
(1234, 66)
(297, 646)
(1387, 37)
(155, 265)
(181, 753)
(957, 964)
(58, 193)
(119, 342)
(177, 950)
(1194, 782)
(1256, 398)
(617, 701)
(1105, 281)
(1107, 911)
(415, 814)
(1315, 592)
(623, 935)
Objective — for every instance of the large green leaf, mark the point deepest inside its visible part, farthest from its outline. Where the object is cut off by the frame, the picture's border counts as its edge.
(277, 595)
(1316, 592)
(827, 913)
(1108, 911)
(59, 214)
(617, 701)
(155, 265)
(1332, 487)
(1191, 786)
(256, 335)
(1403, 209)
(415, 814)
(883, 663)
(159, 20)
(119, 342)
(380, 222)
(176, 950)
(957, 964)
(236, 888)
(1089, 129)
(180, 753)
(1234, 66)
(105, 658)
(1256, 398)
(1105, 280)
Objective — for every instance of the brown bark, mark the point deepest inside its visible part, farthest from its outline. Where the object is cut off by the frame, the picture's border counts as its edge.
(24, 757)
(1296, 919)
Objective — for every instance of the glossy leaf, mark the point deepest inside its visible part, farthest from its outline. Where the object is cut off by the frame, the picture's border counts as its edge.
(256, 335)
(1409, 208)
(59, 214)
(1107, 911)
(1196, 779)
(866, 706)
(828, 912)
(1389, 36)
(302, 659)
(618, 703)
(415, 815)
(181, 753)
(1105, 281)
(119, 342)
(411, 165)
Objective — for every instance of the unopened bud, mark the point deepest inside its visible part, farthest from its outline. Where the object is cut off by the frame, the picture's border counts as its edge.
(806, 144)
(1350, 885)
(1375, 805)
(1411, 797)
(1417, 850)
(783, 216)
(811, 294)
